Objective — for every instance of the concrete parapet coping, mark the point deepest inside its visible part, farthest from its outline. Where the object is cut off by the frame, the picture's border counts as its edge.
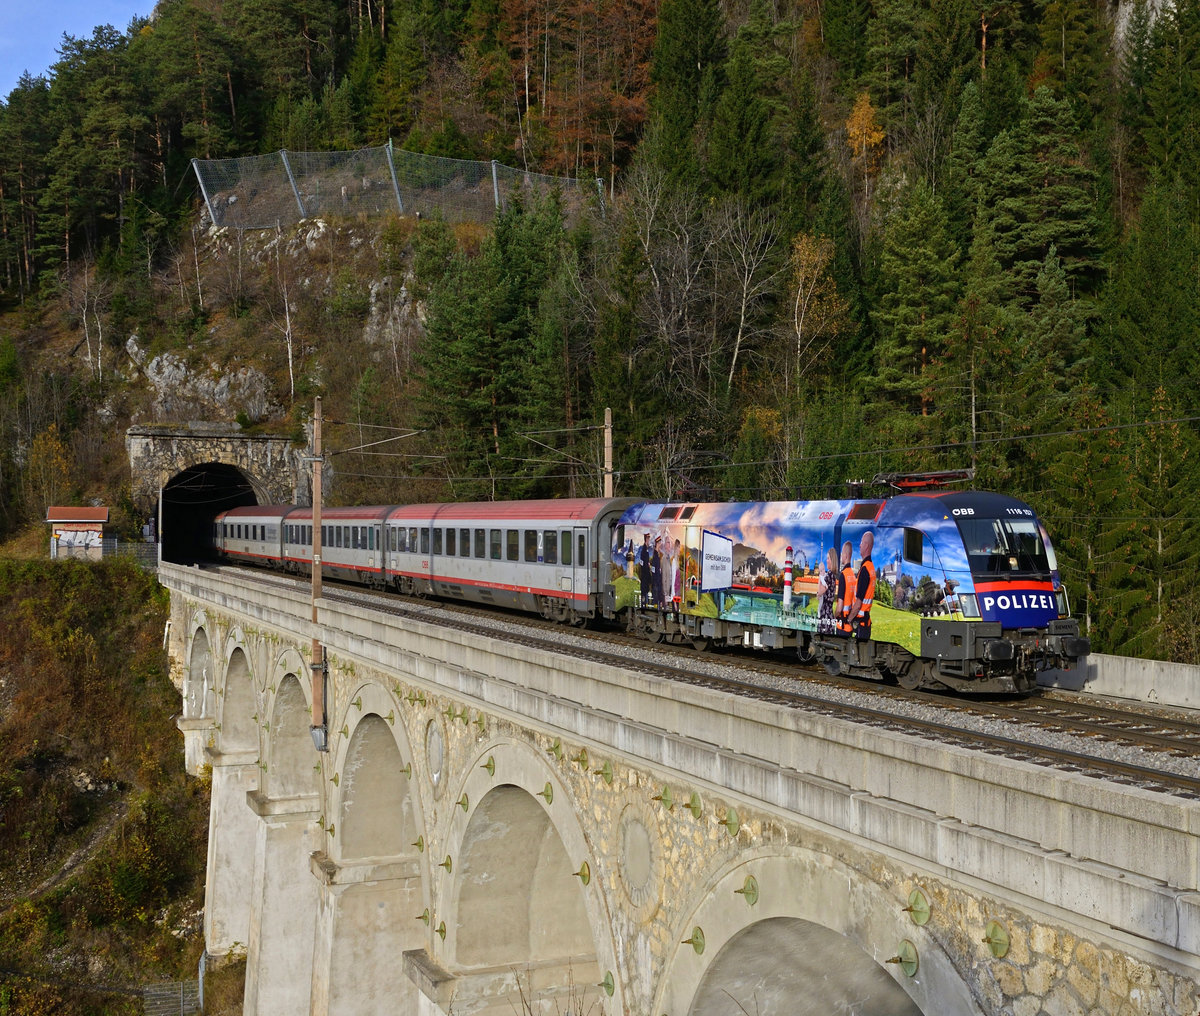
(1126, 677)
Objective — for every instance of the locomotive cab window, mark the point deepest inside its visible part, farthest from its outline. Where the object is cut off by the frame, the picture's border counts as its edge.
(912, 545)
(1005, 546)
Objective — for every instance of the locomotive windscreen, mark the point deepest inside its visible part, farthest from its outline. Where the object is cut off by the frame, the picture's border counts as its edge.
(1006, 547)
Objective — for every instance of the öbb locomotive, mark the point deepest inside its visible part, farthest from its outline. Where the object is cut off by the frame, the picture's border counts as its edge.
(934, 589)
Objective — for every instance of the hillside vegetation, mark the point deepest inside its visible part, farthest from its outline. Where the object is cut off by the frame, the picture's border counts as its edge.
(839, 238)
(102, 833)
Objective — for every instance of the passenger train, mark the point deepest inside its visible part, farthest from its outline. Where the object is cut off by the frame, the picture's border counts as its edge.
(962, 589)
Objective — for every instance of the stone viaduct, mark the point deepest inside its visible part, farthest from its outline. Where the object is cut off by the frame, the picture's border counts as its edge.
(497, 829)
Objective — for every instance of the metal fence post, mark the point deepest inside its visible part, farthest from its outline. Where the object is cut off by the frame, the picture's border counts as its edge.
(292, 180)
(395, 183)
(496, 183)
(204, 190)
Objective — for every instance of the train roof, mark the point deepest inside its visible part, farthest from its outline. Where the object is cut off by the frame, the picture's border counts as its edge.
(365, 513)
(557, 509)
(272, 512)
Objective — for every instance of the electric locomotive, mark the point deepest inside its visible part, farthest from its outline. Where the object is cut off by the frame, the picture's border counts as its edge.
(933, 589)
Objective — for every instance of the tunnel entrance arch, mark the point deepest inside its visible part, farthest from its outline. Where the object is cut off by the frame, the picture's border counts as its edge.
(184, 475)
(190, 501)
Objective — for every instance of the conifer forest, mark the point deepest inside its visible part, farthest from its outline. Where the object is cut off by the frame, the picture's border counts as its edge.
(838, 238)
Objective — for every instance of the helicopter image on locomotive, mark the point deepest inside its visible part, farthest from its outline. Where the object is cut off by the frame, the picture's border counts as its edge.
(946, 589)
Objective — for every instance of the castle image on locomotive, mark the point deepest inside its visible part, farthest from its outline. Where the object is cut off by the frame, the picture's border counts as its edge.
(954, 589)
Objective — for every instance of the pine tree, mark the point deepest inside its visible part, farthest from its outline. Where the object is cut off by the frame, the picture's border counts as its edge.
(687, 60)
(915, 310)
(960, 190)
(743, 159)
(891, 64)
(1084, 493)
(1037, 191)
(1160, 552)
(1171, 129)
(1151, 308)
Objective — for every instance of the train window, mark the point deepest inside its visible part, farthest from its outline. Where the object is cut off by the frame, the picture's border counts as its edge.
(912, 545)
(346, 532)
(308, 538)
(424, 539)
(437, 541)
(864, 511)
(495, 544)
(669, 512)
(237, 535)
(687, 512)
(481, 543)
(451, 544)
(581, 557)
(512, 544)
(412, 539)
(566, 546)
(371, 538)
(531, 541)
(550, 546)
(464, 543)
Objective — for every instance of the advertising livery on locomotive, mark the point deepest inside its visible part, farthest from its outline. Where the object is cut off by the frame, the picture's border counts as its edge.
(931, 589)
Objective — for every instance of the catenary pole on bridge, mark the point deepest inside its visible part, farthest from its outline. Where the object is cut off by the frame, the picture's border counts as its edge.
(319, 729)
(608, 472)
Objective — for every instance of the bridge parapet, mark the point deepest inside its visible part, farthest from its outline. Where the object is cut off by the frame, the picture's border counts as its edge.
(663, 839)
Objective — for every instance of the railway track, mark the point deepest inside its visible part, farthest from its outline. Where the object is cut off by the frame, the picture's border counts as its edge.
(1148, 747)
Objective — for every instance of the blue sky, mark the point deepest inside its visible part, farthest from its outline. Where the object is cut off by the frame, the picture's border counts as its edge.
(31, 32)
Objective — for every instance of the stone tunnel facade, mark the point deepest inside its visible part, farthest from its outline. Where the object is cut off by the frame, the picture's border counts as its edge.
(468, 845)
(277, 470)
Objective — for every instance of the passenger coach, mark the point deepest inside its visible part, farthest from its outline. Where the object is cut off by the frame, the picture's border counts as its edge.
(539, 556)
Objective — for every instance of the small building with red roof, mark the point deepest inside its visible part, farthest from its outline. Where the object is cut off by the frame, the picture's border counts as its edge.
(76, 532)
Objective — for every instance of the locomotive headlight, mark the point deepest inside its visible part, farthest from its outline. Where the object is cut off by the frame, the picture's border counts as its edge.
(969, 605)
